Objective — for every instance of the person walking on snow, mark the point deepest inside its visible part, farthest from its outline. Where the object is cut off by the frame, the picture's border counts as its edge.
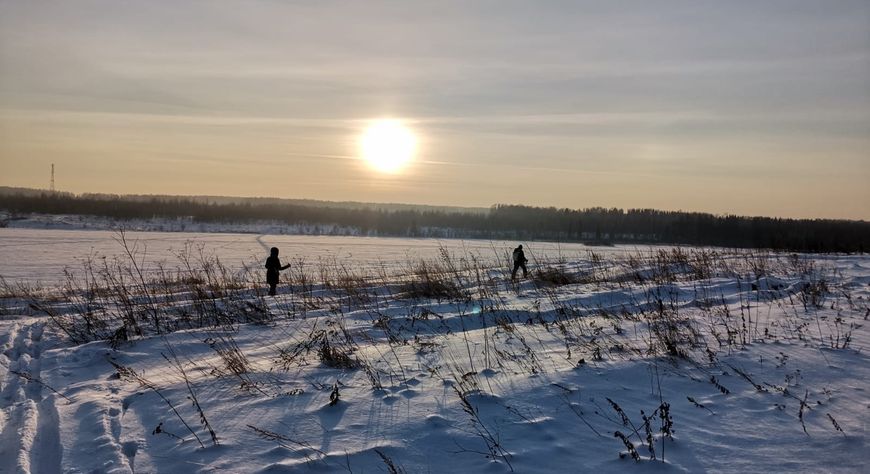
(519, 262)
(273, 268)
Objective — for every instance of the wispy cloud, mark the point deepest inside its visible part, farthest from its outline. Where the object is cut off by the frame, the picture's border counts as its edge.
(576, 100)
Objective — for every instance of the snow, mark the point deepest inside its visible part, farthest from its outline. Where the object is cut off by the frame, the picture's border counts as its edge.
(768, 358)
(41, 255)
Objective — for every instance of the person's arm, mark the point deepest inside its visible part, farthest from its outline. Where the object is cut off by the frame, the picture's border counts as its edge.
(285, 267)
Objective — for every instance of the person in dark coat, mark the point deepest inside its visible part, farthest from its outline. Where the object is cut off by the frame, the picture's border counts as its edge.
(519, 262)
(273, 267)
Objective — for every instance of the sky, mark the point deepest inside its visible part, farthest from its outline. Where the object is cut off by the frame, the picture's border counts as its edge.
(739, 107)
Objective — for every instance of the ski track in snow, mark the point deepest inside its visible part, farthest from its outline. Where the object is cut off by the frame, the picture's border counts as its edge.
(94, 424)
(29, 440)
(30, 421)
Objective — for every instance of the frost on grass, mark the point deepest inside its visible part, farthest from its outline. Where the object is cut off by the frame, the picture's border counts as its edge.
(693, 359)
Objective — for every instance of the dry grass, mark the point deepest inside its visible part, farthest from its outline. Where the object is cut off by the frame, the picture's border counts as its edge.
(392, 316)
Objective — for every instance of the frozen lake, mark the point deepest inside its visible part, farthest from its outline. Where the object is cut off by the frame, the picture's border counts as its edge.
(40, 255)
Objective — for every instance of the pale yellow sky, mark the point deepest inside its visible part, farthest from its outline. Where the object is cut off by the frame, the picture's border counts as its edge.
(705, 106)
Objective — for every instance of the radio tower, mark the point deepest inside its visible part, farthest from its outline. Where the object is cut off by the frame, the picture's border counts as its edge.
(52, 177)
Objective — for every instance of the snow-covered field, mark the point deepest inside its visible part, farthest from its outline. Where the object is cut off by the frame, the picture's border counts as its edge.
(395, 355)
(41, 255)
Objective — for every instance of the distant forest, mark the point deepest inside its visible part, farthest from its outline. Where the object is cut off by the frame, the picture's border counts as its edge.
(511, 222)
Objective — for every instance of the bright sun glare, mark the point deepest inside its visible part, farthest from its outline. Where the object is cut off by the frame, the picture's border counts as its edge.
(388, 145)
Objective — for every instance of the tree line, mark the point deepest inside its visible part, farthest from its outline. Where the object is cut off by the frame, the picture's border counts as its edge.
(513, 222)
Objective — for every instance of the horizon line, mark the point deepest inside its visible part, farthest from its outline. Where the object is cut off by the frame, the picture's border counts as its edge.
(447, 206)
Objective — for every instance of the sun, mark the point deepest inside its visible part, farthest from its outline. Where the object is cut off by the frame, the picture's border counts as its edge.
(388, 145)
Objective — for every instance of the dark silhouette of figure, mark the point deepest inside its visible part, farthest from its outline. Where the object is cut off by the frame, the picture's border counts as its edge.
(519, 262)
(273, 268)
